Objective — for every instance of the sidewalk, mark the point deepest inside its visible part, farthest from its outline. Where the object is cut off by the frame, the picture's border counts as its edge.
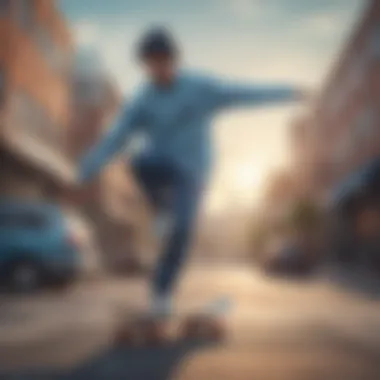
(61, 329)
(55, 329)
(23, 324)
(276, 330)
(361, 281)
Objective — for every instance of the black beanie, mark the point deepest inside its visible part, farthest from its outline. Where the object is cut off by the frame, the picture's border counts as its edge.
(157, 41)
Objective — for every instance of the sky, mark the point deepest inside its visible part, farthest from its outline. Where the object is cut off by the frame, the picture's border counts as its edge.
(275, 41)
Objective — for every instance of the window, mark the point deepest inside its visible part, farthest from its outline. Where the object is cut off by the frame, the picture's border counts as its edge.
(374, 43)
(22, 220)
(82, 90)
(90, 91)
(43, 39)
(2, 87)
(4, 7)
(361, 130)
(357, 73)
(18, 111)
(56, 58)
(336, 101)
(60, 60)
(25, 14)
(27, 114)
(343, 148)
(45, 44)
(364, 125)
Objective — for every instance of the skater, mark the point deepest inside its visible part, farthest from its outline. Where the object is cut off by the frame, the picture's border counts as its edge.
(174, 110)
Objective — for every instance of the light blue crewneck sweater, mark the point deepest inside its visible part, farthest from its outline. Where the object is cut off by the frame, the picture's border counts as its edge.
(176, 120)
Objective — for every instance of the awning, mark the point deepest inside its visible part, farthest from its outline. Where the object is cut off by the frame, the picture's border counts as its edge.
(364, 181)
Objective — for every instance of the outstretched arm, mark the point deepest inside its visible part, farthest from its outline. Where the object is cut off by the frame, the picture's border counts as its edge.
(234, 95)
(113, 141)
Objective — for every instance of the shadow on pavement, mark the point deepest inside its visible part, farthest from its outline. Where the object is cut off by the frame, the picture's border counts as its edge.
(363, 283)
(148, 363)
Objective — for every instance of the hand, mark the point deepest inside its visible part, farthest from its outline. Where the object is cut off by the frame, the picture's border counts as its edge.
(83, 192)
(78, 194)
(86, 193)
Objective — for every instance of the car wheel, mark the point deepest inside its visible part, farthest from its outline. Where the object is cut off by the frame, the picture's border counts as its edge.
(24, 276)
(62, 283)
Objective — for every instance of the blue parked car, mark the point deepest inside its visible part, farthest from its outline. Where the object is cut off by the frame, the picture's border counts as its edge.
(36, 247)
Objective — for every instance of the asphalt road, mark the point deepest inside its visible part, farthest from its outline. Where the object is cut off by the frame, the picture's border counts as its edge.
(275, 330)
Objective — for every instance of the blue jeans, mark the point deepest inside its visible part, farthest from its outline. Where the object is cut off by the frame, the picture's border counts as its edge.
(166, 186)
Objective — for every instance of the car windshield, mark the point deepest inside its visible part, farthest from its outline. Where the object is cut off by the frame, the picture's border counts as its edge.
(27, 219)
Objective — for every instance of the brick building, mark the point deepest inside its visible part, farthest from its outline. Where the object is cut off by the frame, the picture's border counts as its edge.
(306, 156)
(113, 203)
(35, 56)
(342, 131)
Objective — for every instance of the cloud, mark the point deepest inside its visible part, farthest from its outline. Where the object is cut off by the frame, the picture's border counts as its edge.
(243, 9)
(331, 22)
(112, 44)
(324, 23)
(85, 33)
(284, 43)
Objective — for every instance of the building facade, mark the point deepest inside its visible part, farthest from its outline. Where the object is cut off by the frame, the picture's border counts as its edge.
(342, 131)
(35, 58)
(113, 203)
(307, 158)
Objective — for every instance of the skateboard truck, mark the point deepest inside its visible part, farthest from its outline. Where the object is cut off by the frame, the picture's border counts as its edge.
(207, 323)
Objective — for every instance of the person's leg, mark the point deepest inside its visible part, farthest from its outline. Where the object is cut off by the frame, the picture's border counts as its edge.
(185, 196)
(150, 175)
(156, 175)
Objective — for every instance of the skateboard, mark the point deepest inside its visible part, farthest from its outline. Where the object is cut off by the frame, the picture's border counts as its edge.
(192, 323)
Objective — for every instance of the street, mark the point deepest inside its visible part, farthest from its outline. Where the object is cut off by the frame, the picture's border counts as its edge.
(277, 329)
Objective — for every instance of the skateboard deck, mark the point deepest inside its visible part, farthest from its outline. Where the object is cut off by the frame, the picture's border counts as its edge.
(207, 322)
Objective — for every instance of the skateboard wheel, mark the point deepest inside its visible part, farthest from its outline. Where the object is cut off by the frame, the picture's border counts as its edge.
(141, 333)
(155, 333)
(216, 331)
(202, 328)
(124, 335)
